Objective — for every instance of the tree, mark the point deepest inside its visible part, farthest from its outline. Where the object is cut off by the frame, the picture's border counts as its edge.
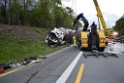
(15, 13)
(120, 26)
(3, 12)
(69, 18)
(41, 13)
(10, 2)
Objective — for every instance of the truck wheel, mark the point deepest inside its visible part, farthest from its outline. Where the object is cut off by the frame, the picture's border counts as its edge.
(106, 43)
(84, 49)
(80, 47)
(89, 42)
(101, 49)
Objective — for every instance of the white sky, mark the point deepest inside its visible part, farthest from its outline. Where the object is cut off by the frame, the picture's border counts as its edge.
(112, 10)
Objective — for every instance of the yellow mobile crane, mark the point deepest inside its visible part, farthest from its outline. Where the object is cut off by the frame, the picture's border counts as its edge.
(107, 31)
(94, 39)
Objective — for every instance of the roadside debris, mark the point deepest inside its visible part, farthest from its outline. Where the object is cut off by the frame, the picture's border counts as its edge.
(13, 65)
(97, 54)
(1, 70)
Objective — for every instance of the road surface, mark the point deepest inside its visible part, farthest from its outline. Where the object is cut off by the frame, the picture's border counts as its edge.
(74, 66)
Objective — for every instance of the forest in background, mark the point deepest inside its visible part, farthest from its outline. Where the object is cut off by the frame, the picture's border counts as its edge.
(39, 13)
(42, 13)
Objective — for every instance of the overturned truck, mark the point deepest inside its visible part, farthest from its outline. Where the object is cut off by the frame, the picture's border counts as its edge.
(59, 36)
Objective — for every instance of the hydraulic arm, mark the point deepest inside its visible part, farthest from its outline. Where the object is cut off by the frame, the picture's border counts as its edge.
(80, 16)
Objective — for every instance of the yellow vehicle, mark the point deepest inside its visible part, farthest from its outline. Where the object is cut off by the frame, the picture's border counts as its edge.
(107, 31)
(93, 39)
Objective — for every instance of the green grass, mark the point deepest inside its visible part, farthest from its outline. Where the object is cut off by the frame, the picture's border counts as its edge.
(15, 48)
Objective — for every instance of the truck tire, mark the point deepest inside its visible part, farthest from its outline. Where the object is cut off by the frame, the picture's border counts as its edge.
(101, 49)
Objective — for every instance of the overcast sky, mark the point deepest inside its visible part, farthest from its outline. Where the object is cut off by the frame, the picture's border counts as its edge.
(112, 10)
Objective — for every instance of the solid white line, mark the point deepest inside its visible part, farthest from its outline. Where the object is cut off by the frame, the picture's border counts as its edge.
(67, 72)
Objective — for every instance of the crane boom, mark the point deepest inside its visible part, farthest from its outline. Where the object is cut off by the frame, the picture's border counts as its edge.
(99, 14)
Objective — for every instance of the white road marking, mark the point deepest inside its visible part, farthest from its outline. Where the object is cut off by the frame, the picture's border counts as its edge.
(67, 72)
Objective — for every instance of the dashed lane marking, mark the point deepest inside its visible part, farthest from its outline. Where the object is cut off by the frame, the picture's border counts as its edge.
(80, 73)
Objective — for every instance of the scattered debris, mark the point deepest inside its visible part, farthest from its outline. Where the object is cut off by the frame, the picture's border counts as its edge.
(14, 64)
(97, 54)
(1, 70)
(5, 66)
(43, 57)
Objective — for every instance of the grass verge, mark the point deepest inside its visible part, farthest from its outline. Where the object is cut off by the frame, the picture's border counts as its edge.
(16, 47)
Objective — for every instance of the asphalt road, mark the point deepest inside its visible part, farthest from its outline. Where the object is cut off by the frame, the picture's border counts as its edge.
(74, 66)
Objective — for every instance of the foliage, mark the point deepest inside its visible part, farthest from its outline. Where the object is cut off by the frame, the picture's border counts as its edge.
(15, 12)
(40, 13)
(17, 44)
(119, 27)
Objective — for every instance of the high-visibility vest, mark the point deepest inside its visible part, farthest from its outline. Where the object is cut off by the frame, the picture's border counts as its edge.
(74, 41)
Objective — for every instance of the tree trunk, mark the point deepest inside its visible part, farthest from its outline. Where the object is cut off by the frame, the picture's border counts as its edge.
(5, 12)
(24, 12)
(9, 18)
